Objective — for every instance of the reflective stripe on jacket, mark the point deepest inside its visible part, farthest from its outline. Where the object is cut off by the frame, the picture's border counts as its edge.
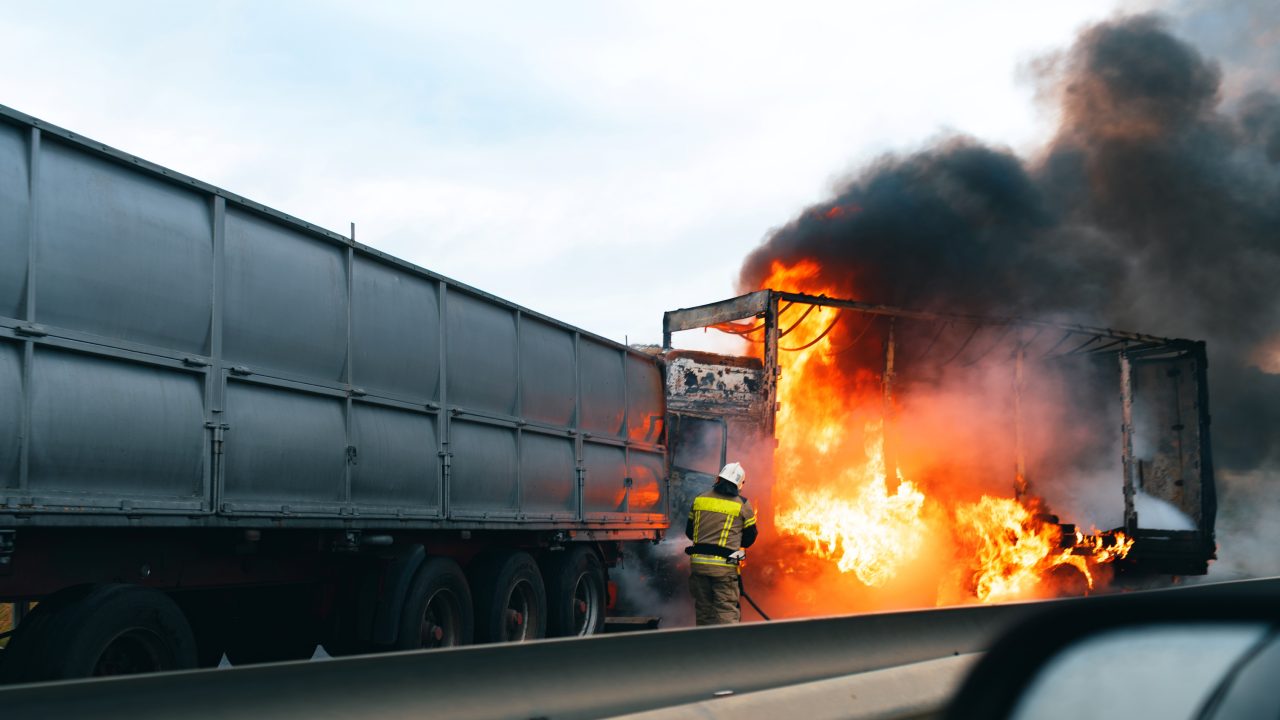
(721, 521)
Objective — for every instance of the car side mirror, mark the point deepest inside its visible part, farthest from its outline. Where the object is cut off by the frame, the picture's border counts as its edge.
(1191, 653)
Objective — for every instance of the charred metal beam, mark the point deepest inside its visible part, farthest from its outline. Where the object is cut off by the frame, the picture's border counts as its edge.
(886, 382)
(1133, 349)
(1146, 351)
(1126, 444)
(1099, 350)
(743, 306)
(754, 304)
(1208, 486)
(1019, 450)
(772, 370)
(875, 309)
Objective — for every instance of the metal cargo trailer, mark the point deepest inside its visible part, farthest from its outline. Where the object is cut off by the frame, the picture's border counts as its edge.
(173, 353)
(280, 436)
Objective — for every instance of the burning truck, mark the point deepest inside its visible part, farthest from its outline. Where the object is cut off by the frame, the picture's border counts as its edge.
(942, 446)
(950, 453)
(228, 432)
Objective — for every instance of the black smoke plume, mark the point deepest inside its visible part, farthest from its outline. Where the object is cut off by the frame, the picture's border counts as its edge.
(1155, 207)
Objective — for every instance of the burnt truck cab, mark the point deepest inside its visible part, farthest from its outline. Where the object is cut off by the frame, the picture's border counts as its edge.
(716, 413)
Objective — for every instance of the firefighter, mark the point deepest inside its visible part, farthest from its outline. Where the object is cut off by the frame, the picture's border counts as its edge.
(721, 523)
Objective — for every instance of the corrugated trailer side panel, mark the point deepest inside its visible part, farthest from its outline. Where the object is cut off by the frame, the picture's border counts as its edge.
(175, 354)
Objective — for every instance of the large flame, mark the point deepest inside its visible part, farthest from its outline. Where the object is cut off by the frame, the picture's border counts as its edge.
(855, 521)
(834, 492)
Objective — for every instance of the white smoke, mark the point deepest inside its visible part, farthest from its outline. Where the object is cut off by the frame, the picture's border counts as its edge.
(1159, 514)
(653, 580)
(1247, 531)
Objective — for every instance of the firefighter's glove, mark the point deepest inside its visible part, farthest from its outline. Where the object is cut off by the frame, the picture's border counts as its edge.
(737, 556)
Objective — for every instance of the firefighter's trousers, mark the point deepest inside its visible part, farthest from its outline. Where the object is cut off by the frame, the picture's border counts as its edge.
(715, 595)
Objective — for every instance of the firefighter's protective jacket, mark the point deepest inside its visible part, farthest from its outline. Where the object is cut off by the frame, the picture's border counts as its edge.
(719, 524)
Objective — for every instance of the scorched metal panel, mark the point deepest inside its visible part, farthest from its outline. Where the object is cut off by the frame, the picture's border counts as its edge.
(286, 300)
(395, 331)
(121, 254)
(396, 461)
(283, 446)
(107, 427)
(14, 215)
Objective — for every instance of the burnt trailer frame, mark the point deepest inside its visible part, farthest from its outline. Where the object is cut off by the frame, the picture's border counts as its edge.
(290, 346)
(1154, 550)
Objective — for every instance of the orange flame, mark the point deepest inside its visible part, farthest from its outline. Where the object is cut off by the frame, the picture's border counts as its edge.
(855, 520)
(833, 492)
(1013, 549)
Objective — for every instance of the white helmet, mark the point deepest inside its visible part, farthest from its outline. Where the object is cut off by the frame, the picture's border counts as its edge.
(734, 473)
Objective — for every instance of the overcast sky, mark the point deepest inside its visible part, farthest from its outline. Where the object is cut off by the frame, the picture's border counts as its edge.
(598, 162)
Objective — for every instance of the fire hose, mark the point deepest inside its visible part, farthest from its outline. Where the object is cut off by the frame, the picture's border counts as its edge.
(742, 590)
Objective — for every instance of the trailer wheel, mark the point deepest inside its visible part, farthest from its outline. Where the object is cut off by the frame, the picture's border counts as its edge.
(100, 630)
(438, 608)
(27, 638)
(510, 598)
(575, 593)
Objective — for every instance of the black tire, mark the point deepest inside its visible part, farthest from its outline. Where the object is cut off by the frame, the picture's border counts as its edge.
(27, 637)
(100, 630)
(576, 592)
(438, 609)
(510, 598)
